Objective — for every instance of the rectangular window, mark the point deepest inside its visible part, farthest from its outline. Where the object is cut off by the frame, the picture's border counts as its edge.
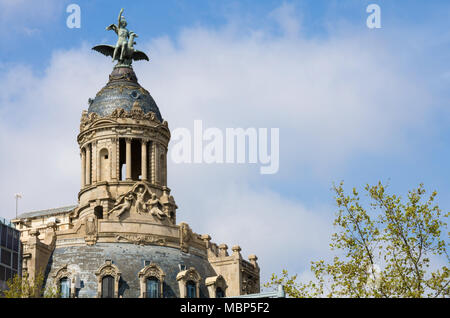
(7, 273)
(145, 262)
(3, 242)
(2, 273)
(108, 287)
(6, 257)
(9, 239)
(15, 261)
(16, 241)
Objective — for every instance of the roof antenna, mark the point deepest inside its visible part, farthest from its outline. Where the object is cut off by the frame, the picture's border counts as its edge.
(17, 196)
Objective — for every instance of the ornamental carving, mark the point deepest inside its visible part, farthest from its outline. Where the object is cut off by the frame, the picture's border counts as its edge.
(91, 230)
(135, 113)
(63, 272)
(87, 119)
(185, 236)
(140, 200)
(108, 269)
(151, 270)
(185, 276)
(141, 239)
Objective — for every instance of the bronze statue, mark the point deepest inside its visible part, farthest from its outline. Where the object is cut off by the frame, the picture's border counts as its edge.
(124, 51)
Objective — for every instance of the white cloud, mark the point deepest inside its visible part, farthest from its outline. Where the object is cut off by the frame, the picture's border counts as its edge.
(332, 99)
(27, 16)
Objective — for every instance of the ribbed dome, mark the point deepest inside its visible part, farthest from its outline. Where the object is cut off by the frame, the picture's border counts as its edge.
(122, 91)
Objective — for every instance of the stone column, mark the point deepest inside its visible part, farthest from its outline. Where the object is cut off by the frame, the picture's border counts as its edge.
(153, 162)
(98, 165)
(128, 157)
(88, 165)
(94, 157)
(157, 179)
(83, 167)
(114, 155)
(144, 159)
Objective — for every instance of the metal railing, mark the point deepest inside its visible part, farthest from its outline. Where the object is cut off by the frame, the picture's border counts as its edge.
(6, 222)
(280, 293)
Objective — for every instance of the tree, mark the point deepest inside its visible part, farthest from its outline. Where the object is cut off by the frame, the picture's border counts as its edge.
(389, 248)
(26, 287)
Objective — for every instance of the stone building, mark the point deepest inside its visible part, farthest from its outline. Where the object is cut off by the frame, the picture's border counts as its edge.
(122, 239)
(10, 253)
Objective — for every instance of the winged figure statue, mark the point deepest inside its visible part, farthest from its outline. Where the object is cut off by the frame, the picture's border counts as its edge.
(124, 51)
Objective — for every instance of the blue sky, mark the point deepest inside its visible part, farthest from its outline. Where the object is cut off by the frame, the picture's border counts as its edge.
(351, 103)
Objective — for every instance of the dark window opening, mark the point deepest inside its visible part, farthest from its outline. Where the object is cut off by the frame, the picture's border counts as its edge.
(98, 212)
(152, 288)
(191, 289)
(6, 257)
(122, 159)
(220, 293)
(108, 287)
(136, 158)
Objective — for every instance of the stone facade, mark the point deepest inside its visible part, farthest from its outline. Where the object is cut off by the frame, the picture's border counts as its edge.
(124, 225)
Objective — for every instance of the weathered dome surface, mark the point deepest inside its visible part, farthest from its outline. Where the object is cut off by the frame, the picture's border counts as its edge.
(129, 259)
(121, 91)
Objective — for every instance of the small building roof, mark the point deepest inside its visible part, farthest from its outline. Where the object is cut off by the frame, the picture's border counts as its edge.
(47, 212)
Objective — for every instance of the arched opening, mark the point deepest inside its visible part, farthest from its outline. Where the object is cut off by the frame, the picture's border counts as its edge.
(108, 287)
(98, 212)
(191, 289)
(220, 293)
(136, 158)
(64, 287)
(152, 288)
(104, 166)
(122, 160)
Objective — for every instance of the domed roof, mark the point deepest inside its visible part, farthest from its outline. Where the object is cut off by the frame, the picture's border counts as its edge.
(121, 91)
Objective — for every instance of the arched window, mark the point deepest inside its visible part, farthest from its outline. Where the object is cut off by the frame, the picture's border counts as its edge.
(220, 293)
(188, 283)
(152, 288)
(108, 277)
(151, 279)
(64, 287)
(103, 163)
(191, 289)
(108, 287)
(62, 280)
(98, 212)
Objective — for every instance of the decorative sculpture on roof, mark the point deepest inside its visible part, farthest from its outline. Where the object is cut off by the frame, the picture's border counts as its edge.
(124, 51)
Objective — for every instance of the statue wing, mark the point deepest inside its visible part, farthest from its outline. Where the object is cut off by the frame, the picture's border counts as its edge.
(112, 27)
(139, 55)
(107, 50)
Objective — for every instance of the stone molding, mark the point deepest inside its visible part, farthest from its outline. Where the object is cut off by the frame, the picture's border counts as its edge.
(151, 270)
(212, 283)
(183, 277)
(108, 269)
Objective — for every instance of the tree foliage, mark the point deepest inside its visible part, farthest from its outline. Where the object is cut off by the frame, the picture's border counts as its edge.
(386, 247)
(26, 287)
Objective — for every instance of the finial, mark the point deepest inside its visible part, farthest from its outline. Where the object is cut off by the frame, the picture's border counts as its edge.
(124, 51)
